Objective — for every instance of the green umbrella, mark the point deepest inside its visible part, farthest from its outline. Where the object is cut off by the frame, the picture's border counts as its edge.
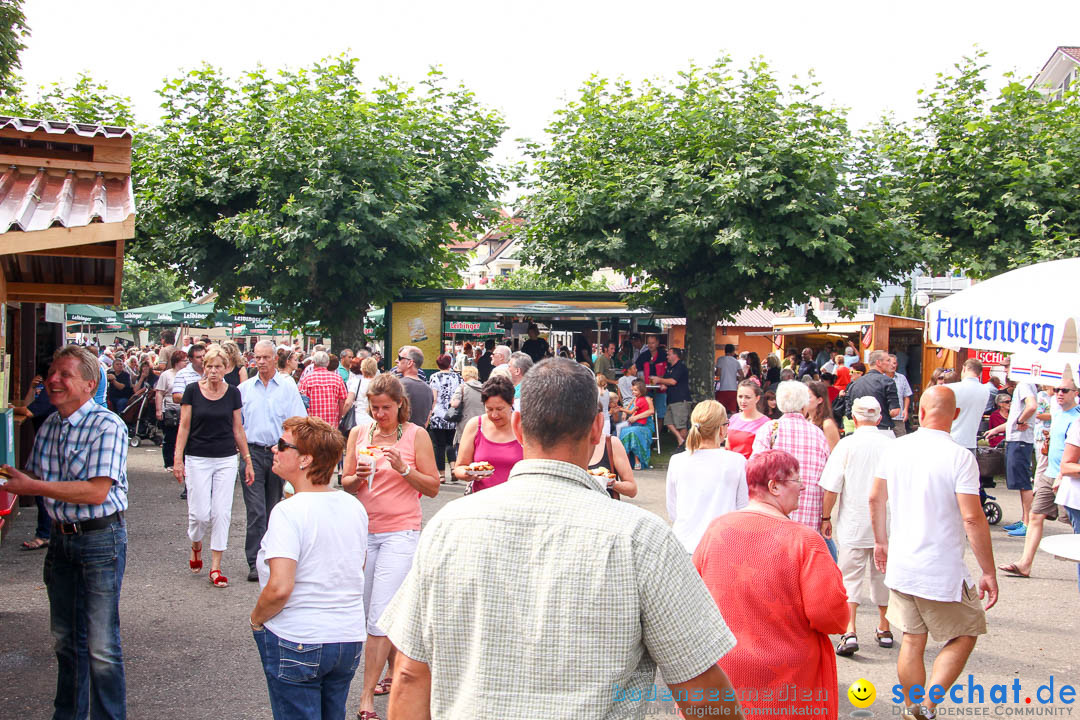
(193, 313)
(160, 314)
(90, 315)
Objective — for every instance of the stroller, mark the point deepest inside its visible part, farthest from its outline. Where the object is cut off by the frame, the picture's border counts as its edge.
(140, 417)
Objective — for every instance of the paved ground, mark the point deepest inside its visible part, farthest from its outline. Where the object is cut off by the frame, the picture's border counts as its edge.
(190, 654)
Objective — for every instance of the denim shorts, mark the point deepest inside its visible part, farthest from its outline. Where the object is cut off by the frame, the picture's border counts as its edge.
(1018, 465)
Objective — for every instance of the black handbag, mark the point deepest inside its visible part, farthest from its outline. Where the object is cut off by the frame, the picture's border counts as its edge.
(454, 414)
(347, 422)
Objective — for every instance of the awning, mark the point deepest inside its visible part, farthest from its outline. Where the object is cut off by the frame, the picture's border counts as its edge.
(476, 307)
(807, 331)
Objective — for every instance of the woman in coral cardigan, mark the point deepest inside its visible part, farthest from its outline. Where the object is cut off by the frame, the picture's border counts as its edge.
(779, 591)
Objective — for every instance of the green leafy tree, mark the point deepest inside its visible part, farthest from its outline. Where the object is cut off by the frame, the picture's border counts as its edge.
(529, 278)
(994, 179)
(896, 307)
(322, 198)
(13, 30)
(722, 190)
(86, 100)
(145, 284)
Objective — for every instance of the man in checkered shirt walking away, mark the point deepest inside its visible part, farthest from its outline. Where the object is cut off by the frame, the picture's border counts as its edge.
(542, 598)
(79, 465)
(325, 389)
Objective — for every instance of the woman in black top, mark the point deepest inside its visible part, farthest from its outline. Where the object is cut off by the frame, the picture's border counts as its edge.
(235, 371)
(119, 387)
(210, 433)
(611, 456)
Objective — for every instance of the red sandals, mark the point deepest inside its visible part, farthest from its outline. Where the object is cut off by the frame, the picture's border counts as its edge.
(218, 580)
(196, 564)
(383, 686)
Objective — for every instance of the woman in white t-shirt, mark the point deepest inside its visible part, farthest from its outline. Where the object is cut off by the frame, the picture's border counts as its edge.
(706, 481)
(168, 412)
(360, 374)
(309, 622)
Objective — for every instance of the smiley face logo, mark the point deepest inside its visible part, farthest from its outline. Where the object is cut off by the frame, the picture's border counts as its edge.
(862, 693)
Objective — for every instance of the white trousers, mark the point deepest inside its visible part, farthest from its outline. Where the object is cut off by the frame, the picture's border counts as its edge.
(210, 486)
(389, 559)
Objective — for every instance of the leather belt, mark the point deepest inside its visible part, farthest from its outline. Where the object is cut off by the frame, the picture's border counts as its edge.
(84, 526)
(257, 446)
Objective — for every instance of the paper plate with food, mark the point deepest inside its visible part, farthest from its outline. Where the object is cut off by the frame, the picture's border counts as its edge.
(478, 470)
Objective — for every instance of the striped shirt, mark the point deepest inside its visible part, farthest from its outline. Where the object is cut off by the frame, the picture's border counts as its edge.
(796, 435)
(183, 378)
(91, 442)
(543, 598)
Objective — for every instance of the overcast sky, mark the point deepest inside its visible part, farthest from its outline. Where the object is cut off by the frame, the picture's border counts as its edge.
(527, 58)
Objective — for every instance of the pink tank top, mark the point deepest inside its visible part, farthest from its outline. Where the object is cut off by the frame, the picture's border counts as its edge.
(392, 504)
(503, 455)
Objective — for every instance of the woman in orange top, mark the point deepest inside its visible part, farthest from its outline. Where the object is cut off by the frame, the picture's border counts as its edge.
(388, 465)
(780, 593)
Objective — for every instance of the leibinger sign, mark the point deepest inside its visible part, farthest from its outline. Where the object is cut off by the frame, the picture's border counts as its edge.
(951, 330)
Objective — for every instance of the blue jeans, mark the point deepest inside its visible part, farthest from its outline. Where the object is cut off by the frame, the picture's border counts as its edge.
(83, 574)
(307, 680)
(44, 522)
(1074, 520)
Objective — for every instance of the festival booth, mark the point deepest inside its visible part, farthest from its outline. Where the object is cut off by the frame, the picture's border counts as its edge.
(66, 210)
(1030, 313)
(901, 336)
(748, 331)
(423, 317)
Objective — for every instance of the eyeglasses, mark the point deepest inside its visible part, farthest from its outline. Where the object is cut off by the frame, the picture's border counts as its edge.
(402, 357)
(282, 446)
(1063, 390)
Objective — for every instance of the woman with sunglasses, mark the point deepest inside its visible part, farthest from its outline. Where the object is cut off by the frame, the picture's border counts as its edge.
(388, 465)
(309, 620)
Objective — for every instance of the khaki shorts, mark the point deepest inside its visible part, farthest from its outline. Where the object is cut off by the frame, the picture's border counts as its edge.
(678, 415)
(943, 620)
(1043, 502)
(854, 564)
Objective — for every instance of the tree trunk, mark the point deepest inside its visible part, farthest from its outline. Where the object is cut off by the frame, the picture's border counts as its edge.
(350, 334)
(701, 350)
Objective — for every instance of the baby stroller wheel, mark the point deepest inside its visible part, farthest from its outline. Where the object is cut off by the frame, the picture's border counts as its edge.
(134, 440)
(992, 511)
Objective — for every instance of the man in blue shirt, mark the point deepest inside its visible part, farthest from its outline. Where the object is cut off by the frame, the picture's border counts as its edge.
(1043, 505)
(269, 398)
(79, 465)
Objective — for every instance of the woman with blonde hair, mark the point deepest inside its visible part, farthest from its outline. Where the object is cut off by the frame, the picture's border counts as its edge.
(235, 371)
(706, 481)
(211, 432)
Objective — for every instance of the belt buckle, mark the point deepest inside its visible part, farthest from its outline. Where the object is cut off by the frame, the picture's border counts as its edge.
(74, 528)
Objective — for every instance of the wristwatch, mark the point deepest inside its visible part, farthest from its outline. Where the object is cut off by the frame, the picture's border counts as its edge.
(254, 627)
(408, 469)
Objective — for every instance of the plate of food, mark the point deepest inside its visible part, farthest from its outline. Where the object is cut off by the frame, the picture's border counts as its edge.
(479, 469)
(605, 475)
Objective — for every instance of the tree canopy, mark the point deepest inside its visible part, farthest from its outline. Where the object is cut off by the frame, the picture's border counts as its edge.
(148, 285)
(993, 179)
(86, 100)
(529, 278)
(321, 197)
(722, 189)
(13, 30)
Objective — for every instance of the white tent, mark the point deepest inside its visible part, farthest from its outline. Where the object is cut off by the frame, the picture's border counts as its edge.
(1031, 311)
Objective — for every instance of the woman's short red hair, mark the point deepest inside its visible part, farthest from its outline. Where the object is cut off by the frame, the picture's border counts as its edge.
(770, 465)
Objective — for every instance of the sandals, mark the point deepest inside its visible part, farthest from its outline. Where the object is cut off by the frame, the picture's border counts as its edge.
(35, 544)
(196, 564)
(848, 645)
(383, 686)
(218, 580)
(1013, 570)
(884, 638)
(367, 715)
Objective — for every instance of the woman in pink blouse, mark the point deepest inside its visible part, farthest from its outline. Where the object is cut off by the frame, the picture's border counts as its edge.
(489, 437)
(744, 425)
(388, 465)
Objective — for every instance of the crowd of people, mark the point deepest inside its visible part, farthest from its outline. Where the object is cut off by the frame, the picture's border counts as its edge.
(794, 488)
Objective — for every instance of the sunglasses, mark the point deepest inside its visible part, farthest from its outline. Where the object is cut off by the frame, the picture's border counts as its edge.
(1062, 390)
(402, 357)
(282, 446)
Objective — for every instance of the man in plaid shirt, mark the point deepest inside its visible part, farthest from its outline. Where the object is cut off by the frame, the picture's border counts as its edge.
(79, 466)
(325, 390)
(794, 434)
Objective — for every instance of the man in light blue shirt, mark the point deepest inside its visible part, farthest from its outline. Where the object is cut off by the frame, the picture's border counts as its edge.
(1043, 504)
(269, 400)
